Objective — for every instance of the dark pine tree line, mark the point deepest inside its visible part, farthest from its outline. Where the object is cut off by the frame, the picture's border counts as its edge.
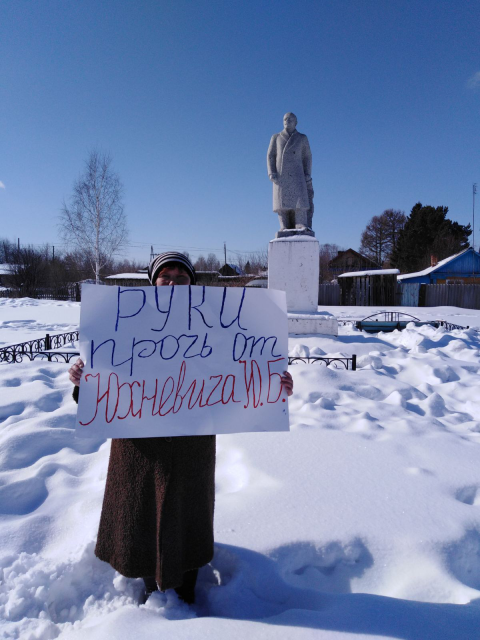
(427, 234)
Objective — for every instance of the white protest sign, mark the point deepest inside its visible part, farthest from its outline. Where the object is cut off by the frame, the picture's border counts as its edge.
(182, 360)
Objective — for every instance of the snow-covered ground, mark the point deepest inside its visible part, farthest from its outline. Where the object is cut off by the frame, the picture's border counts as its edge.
(362, 522)
(23, 319)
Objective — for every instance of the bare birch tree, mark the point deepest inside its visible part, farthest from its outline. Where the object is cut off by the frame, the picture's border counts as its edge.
(94, 220)
(380, 237)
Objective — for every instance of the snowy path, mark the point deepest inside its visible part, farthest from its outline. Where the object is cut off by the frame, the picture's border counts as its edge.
(362, 522)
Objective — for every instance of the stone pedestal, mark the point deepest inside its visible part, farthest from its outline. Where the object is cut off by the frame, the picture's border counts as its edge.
(316, 322)
(293, 267)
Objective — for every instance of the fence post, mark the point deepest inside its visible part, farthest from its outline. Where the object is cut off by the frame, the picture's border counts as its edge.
(354, 362)
(47, 342)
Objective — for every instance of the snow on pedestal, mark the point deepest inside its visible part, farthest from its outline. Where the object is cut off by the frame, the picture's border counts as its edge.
(293, 267)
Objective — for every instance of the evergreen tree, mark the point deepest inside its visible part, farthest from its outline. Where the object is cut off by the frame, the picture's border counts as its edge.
(428, 232)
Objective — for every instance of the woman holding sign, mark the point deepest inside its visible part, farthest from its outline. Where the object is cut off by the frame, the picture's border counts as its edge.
(157, 514)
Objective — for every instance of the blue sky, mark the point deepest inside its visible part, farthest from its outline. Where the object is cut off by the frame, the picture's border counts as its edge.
(185, 95)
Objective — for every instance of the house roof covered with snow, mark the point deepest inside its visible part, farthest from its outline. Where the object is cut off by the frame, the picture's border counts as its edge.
(6, 269)
(370, 272)
(128, 276)
(228, 268)
(466, 260)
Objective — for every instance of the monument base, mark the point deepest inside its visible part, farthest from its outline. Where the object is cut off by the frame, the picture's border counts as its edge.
(293, 267)
(321, 322)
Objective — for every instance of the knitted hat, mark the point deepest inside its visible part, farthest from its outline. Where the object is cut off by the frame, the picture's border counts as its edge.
(162, 259)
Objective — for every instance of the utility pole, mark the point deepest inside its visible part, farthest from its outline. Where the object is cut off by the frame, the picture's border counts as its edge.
(474, 189)
(225, 251)
(18, 244)
(53, 253)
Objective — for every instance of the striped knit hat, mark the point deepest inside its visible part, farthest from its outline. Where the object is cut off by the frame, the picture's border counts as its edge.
(162, 259)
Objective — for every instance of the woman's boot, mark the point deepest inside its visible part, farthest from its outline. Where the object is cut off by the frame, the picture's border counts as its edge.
(150, 587)
(187, 589)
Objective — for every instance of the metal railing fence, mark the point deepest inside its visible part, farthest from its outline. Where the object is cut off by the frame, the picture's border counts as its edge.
(39, 347)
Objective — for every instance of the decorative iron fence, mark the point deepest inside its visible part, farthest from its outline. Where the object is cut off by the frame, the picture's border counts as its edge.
(338, 363)
(42, 348)
(33, 348)
(50, 356)
(449, 326)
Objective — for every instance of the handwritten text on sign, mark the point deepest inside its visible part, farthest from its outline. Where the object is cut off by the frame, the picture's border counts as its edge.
(170, 361)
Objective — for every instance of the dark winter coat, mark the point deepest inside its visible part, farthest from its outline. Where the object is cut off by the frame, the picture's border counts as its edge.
(157, 514)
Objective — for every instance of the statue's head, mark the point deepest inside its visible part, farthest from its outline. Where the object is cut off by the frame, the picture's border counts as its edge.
(290, 121)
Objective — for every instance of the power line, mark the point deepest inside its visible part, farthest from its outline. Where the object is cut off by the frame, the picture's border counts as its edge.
(136, 244)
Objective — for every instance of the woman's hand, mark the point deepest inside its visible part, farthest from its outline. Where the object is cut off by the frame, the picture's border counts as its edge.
(76, 371)
(287, 383)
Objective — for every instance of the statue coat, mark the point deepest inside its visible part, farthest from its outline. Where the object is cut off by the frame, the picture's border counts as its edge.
(290, 157)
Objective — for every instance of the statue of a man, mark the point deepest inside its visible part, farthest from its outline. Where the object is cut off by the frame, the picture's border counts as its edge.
(289, 163)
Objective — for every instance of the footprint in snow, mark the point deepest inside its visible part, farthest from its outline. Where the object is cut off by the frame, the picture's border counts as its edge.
(12, 382)
(469, 495)
(463, 558)
(50, 401)
(13, 409)
(445, 374)
(19, 451)
(20, 498)
(434, 405)
(328, 568)
(243, 584)
(52, 372)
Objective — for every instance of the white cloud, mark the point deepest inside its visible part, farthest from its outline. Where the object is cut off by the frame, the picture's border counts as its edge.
(474, 81)
(2, 186)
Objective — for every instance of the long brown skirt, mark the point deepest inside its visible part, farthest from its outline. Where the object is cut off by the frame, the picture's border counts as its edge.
(157, 515)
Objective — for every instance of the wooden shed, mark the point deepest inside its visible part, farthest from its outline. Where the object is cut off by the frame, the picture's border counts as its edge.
(367, 288)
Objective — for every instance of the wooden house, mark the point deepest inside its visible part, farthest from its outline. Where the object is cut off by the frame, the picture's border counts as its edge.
(231, 270)
(350, 260)
(462, 268)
